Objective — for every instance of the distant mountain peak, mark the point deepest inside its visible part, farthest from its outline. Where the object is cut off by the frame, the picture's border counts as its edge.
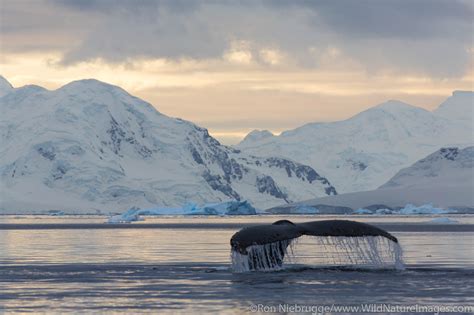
(463, 93)
(5, 86)
(90, 84)
(392, 110)
(367, 149)
(394, 105)
(4, 82)
(256, 135)
(393, 102)
(91, 90)
(459, 106)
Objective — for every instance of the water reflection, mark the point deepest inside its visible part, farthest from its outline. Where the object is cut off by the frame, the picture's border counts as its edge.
(260, 219)
(187, 270)
(111, 246)
(191, 245)
(201, 287)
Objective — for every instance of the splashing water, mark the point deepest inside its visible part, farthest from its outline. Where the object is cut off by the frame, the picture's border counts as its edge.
(375, 252)
(268, 257)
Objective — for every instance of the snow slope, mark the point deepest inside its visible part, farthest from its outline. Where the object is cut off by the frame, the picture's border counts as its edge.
(364, 151)
(446, 167)
(92, 147)
(444, 179)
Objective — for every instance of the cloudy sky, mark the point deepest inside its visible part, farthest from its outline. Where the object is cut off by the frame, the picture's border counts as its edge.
(234, 66)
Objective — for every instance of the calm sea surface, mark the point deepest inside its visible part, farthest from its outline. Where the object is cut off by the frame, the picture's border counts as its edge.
(182, 265)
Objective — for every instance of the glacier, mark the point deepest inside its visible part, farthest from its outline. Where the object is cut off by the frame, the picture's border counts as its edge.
(232, 207)
(408, 209)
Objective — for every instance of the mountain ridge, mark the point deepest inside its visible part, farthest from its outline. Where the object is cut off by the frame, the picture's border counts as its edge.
(443, 179)
(92, 147)
(365, 150)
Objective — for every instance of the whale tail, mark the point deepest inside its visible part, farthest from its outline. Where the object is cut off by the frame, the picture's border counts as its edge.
(343, 228)
(264, 247)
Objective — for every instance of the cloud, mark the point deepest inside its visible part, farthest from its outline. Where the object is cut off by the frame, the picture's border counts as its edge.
(239, 52)
(416, 19)
(177, 6)
(420, 36)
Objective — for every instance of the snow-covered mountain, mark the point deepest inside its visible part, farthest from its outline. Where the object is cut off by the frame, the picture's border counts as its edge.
(446, 167)
(90, 146)
(443, 179)
(364, 151)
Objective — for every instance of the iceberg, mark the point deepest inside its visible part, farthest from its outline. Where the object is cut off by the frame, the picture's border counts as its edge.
(409, 209)
(56, 213)
(363, 211)
(223, 208)
(233, 207)
(305, 209)
(383, 211)
(424, 209)
(128, 216)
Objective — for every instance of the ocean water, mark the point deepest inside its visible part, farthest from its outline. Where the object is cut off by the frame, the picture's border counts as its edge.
(182, 265)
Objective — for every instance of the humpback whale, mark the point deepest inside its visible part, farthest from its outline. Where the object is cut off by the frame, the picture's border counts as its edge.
(263, 247)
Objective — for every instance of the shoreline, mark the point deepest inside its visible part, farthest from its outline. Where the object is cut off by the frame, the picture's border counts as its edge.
(391, 227)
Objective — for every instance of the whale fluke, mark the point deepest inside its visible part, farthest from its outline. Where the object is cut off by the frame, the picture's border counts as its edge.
(265, 246)
(264, 234)
(343, 228)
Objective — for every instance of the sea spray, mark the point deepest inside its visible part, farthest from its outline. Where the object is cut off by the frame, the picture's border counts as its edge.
(267, 257)
(375, 252)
